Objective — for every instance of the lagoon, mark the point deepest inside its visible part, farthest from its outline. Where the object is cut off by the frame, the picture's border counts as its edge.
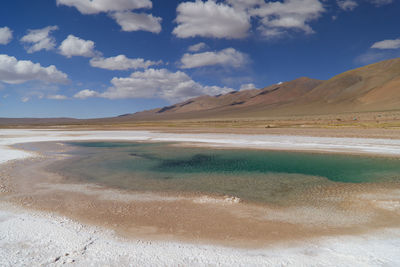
(276, 177)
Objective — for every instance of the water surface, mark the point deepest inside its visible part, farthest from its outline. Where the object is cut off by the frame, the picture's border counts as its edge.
(265, 176)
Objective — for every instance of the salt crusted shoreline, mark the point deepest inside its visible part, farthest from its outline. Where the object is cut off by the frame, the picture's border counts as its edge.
(300, 143)
(34, 238)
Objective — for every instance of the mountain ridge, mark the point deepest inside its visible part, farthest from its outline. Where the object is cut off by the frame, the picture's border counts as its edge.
(374, 87)
(371, 88)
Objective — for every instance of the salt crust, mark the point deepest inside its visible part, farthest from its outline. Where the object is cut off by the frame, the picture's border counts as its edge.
(39, 239)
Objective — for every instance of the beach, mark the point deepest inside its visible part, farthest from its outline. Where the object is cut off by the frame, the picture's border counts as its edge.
(49, 221)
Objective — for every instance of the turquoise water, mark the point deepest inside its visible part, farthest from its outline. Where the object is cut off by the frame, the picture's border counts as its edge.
(257, 175)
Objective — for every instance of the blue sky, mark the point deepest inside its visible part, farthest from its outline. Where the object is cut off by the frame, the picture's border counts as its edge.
(98, 58)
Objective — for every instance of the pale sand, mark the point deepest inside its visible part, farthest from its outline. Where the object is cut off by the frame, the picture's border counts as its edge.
(28, 237)
(41, 239)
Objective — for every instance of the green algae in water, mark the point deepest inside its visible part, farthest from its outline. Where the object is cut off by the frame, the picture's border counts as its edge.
(271, 176)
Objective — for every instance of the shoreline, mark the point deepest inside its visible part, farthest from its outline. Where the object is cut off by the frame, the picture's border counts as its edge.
(349, 145)
(154, 215)
(292, 248)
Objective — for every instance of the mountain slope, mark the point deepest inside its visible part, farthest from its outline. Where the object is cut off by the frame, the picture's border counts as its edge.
(234, 102)
(374, 87)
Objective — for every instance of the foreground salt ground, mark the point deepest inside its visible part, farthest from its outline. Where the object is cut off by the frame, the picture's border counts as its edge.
(39, 239)
(30, 238)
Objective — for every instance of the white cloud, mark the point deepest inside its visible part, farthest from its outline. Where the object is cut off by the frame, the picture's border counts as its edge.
(381, 2)
(57, 97)
(86, 94)
(137, 21)
(247, 86)
(15, 71)
(387, 44)
(197, 47)
(97, 6)
(5, 35)
(25, 99)
(39, 39)
(226, 57)
(347, 5)
(119, 10)
(211, 19)
(279, 17)
(155, 83)
(75, 46)
(121, 62)
(370, 57)
(232, 18)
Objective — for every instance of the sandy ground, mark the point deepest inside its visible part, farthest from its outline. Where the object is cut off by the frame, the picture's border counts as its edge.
(32, 237)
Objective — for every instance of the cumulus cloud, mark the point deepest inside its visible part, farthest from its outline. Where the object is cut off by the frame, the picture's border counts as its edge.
(387, 44)
(75, 46)
(120, 11)
(121, 62)
(5, 35)
(247, 86)
(347, 5)
(211, 19)
(232, 18)
(86, 94)
(279, 17)
(155, 83)
(197, 47)
(15, 71)
(226, 57)
(39, 39)
(57, 97)
(137, 21)
(97, 6)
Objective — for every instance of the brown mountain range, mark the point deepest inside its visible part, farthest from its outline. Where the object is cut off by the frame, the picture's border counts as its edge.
(374, 87)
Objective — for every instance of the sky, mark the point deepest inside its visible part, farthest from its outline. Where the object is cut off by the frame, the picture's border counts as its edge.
(103, 58)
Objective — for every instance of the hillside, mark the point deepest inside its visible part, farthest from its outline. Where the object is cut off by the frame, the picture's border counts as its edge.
(234, 102)
(374, 87)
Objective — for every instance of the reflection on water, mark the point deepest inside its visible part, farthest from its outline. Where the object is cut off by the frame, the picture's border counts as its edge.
(266, 176)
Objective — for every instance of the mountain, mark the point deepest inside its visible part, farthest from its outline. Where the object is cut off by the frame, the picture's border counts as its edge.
(369, 88)
(236, 101)
(374, 87)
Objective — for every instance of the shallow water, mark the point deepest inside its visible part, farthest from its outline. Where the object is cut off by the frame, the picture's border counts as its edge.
(262, 176)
